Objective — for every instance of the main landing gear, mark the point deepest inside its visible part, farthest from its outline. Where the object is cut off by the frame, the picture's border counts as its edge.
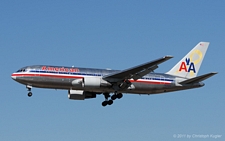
(29, 90)
(113, 97)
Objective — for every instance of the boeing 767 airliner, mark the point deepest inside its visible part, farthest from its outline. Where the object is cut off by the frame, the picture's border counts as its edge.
(85, 83)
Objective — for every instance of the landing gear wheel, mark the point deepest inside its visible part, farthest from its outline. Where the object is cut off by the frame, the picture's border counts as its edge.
(119, 95)
(113, 97)
(29, 94)
(110, 102)
(104, 103)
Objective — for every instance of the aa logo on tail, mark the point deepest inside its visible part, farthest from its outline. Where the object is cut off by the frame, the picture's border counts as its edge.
(187, 66)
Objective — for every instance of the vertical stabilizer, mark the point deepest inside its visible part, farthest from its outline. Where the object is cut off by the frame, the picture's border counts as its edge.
(189, 66)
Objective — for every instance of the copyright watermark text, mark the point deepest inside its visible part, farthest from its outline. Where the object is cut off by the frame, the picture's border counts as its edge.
(197, 136)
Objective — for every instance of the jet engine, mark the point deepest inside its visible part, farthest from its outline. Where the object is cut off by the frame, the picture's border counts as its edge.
(91, 82)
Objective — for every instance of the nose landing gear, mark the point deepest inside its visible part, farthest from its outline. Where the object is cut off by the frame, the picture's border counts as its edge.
(29, 90)
(29, 94)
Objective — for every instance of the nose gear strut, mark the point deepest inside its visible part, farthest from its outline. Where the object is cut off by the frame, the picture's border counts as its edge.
(29, 90)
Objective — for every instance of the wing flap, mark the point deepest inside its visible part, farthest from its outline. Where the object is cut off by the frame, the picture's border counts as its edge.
(144, 72)
(198, 78)
(137, 71)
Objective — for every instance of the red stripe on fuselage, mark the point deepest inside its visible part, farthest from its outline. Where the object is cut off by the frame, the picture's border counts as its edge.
(45, 75)
(79, 77)
(150, 82)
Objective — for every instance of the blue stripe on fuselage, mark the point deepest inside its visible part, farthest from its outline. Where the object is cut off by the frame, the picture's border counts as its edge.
(153, 77)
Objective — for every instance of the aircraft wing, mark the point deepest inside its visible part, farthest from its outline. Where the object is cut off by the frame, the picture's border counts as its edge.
(198, 78)
(137, 71)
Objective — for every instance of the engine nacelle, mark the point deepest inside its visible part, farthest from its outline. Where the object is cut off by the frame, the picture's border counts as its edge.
(95, 82)
(92, 82)
(80, 95)
(78, 83)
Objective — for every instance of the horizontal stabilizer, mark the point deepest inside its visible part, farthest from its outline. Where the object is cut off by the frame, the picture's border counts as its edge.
(198, 78)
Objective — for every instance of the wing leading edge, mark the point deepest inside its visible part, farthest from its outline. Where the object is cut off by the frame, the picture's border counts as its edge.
(137, 71)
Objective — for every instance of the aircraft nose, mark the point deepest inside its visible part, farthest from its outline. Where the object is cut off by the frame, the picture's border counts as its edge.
(13, 77)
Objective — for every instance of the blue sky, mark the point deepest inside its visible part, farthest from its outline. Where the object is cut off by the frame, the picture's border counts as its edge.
(116, 35)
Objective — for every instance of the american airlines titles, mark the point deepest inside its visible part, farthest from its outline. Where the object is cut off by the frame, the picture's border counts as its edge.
(57, 69)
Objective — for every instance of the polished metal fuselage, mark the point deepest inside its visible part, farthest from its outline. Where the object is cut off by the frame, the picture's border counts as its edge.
(59, 77)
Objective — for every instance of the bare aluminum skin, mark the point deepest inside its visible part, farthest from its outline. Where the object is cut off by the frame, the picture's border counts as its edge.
(142, 86)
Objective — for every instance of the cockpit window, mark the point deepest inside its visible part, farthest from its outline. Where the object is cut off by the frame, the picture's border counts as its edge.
(21, 70)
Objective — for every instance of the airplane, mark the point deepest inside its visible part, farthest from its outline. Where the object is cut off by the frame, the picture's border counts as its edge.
(86, 83)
